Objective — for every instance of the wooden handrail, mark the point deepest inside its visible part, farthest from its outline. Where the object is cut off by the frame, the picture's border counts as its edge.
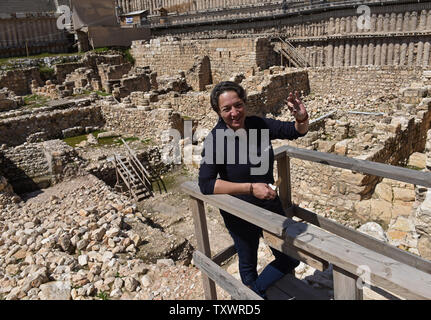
(292, 52)
(234, 287)
(317, 240)
(125, 178)
(390, 274)
(357, 165)
(135, 160)
(263, 218)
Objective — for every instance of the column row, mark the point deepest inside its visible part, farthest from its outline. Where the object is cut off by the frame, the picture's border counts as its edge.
(375, 53)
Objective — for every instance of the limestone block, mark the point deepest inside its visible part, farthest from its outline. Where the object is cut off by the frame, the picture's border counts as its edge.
(413, 92)
(402, 232)
(424, 247)
(402, 209)
(402, 194)
(404, 224)
(417, 160)
(383, 192)
(363, 208)
(109, 134)
(56, 290)
(381, 209)
(341, 147)
(423, 216)
(352, 178)
(325, 146)
(374, 230)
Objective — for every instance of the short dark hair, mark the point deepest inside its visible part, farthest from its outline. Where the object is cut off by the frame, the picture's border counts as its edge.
(223, 87)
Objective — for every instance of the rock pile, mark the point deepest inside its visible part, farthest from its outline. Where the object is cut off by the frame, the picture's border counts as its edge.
(79, 240)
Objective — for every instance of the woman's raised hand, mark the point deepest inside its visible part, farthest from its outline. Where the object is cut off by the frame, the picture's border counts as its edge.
(296, 106)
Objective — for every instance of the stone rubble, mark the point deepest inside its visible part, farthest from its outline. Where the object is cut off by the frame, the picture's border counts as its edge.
(76, 241)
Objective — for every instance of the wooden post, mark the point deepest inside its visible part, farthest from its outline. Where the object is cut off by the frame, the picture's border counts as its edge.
(283, 169)
(345, 285)
(203, 243)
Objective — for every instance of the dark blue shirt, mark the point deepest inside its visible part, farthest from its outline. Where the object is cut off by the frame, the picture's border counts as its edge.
(240, 171)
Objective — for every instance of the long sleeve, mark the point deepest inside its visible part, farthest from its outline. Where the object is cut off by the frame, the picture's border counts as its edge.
(282, 129)
(207, 174)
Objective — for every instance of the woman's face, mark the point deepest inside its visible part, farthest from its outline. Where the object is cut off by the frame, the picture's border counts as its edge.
(232, 110)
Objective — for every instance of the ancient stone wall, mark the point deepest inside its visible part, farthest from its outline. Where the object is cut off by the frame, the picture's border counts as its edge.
(399, 34)
(19, 81)
(32, 166)
(343, 190)
(15, 131)
(9, 101)
(199, 76)
(90, 60)
(145, 124)
(227, 56)
(183, 5)
(7, 195)
(362, 81)
(112, 72)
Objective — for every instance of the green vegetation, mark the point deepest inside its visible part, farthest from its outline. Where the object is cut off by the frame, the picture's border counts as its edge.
(124, 51)
(46, 73)
(101, 50)
(35, 101)
(87, 92)
(174, 178)
(103, 295)
(414, 168)
(9, 62)
(128, 56)
(74, 141)
(109, 141)
(147, 141)
(103, 93)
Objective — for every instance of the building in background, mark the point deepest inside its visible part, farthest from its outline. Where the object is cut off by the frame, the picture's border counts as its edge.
(134, 19)
(97, 23)
(29, 27)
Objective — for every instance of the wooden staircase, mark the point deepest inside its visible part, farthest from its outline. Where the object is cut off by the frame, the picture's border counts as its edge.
(138, 179)
(289, 52)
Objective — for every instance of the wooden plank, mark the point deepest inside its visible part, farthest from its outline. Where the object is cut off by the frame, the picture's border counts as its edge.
(296, 253)
(392, 275)
(298, 290)
(363, 166)
(234, 287)
(283, 168)
(265, 219)
(363, 240)
(345, 286)
(203, 243)
(223, 255)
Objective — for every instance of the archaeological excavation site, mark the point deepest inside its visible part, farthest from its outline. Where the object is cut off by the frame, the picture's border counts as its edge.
(94, 205)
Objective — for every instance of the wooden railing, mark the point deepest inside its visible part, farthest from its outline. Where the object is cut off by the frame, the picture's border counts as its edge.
(137, 165)
(314, 239)
(149, 177)
(291, 53)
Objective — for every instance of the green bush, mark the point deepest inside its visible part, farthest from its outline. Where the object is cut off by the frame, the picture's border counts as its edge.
(46, 73)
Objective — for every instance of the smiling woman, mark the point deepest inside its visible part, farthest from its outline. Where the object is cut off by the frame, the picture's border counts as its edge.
(232, 175)
(232, 110)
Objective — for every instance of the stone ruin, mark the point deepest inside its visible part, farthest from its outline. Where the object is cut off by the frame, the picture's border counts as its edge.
(77, 227)
(9, 101)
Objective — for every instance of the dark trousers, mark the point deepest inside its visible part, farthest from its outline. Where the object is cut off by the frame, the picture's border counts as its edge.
(246, 240)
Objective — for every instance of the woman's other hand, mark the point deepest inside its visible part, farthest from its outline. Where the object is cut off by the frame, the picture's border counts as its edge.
(263, 191)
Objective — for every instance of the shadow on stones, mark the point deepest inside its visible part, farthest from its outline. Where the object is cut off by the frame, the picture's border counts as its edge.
(22, 184)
